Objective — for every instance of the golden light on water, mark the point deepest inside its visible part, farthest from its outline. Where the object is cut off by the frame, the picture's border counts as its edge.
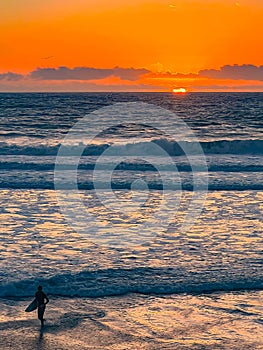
(179, 91)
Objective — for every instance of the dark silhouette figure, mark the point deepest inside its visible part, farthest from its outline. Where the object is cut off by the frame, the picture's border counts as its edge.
(42, 301)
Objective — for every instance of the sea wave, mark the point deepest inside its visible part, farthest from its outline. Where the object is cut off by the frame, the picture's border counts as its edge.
(121, 180)
(144, 280)
(237, 165)
(172, 148)
(130, 166)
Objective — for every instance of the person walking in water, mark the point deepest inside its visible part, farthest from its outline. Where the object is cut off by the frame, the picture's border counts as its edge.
(42, 301)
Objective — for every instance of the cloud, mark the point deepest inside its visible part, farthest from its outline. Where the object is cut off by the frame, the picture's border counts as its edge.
(228, 77)
(235, 72)
(170, 75)
(86, 73)
(227, 72)
(230, 88)
(73, 86)
(129, 73)
(11, 76)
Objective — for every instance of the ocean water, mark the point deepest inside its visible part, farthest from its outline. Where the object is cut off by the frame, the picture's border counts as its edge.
(153, 203)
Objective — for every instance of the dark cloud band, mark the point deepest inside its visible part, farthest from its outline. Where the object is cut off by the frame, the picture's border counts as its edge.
(235, 72)
(11, 76)
(86, 73)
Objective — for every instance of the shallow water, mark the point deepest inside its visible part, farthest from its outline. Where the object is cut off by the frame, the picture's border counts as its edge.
(222, 250)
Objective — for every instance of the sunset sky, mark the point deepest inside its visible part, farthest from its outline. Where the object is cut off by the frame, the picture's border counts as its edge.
(131, 45)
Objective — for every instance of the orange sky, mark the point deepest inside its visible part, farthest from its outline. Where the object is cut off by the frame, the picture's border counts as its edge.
(180, 36)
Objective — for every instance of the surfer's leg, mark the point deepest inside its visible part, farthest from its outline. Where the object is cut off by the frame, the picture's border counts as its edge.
(41, 310)
(39, 313)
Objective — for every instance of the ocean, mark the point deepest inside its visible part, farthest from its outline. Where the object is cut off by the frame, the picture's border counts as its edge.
(140, 214)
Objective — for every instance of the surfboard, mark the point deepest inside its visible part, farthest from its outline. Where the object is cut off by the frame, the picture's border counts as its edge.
(31, 307)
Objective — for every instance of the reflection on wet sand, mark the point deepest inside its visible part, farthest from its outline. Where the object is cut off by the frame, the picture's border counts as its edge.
(220, 321)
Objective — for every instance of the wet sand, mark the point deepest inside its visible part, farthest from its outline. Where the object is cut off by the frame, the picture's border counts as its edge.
(203, 322)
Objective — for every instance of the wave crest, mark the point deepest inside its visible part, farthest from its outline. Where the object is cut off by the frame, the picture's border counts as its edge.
(144, 280)
(172, 148)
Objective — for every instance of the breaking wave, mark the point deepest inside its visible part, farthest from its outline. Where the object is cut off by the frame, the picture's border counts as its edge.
(232, 165)
(144, 280)
(171, 147)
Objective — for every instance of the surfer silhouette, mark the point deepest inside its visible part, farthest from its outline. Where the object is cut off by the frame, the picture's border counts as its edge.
(42, 301)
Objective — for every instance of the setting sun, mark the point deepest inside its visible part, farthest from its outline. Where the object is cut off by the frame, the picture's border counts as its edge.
(179, 91)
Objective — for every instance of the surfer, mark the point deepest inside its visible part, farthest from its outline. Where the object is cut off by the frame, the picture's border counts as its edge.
(42, 301)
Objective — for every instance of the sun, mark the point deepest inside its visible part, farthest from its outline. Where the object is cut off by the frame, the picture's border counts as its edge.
(179, 91)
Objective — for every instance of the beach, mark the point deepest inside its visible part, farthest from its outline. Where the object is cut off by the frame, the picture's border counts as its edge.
(208, 321)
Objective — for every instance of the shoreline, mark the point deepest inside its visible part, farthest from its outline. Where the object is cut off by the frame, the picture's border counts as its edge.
(205, 322)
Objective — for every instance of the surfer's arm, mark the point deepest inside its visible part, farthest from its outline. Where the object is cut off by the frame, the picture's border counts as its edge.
(47, 300)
